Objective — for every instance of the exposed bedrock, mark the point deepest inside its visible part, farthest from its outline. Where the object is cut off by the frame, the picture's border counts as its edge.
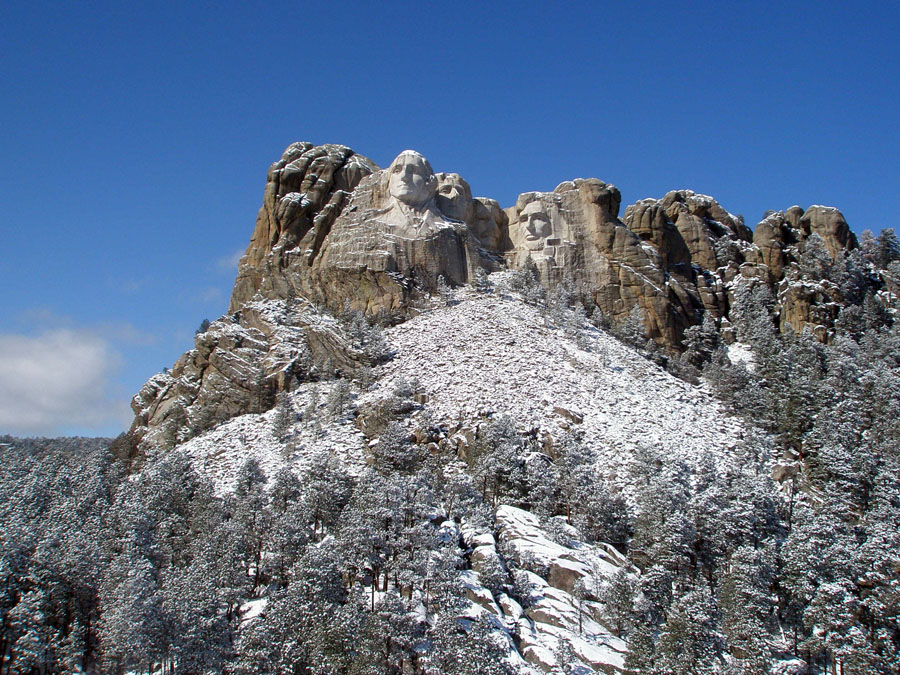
(336, 230)
(238, 366)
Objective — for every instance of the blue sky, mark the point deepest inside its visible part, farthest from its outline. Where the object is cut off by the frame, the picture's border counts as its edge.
(136, 136)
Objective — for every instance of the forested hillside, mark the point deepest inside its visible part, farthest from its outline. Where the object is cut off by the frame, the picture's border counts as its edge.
(432, 436)
(491, 543)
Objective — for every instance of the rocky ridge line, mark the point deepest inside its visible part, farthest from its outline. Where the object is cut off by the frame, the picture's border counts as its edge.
(331, 232)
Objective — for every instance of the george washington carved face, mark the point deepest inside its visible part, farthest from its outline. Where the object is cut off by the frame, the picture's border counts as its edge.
(411, 180)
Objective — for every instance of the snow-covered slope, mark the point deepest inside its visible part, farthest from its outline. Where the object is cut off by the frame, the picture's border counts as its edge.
(492, 354)
(486, 355)
(481, 356)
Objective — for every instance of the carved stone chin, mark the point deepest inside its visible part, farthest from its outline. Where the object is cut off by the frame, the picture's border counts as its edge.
(403, 221)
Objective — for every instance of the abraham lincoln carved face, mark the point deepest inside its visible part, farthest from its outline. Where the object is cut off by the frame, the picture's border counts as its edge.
(536, 225)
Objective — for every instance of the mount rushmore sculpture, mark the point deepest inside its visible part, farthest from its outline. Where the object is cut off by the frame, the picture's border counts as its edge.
(336, 229)
(338, 232)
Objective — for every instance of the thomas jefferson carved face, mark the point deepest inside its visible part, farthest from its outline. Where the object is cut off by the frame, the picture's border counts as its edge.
(454, 197)
(535, 223)
(411, 180)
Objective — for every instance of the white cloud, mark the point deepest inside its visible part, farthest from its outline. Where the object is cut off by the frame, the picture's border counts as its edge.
(57, 380)
(229, 263)
(210, 295)
(126, 333)
(122, 332)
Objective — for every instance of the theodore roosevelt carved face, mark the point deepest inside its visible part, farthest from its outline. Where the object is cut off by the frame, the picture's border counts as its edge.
(411, 180)
(536, 225)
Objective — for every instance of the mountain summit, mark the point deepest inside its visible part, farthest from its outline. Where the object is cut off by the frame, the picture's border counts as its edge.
(547, 437)
(337, 232)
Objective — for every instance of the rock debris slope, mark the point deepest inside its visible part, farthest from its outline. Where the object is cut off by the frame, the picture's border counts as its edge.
(490, 355)
(493, 355)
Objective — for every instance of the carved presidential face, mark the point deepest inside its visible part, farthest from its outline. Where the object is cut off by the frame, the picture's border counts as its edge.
(454, 197)
(535, 224)
(411, 180)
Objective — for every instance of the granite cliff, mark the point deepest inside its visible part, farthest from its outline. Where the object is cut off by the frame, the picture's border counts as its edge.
(336, 232)
(332, 229)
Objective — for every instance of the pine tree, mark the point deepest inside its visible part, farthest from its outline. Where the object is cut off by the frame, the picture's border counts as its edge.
(815, 262)
(285, 416)
(477, 649)
(250, 515)
(395, 451)
(497, 468)
(326, 490)
(633, 331)
(868, 245)
(688, 642)
(482, 282)
(566, 658)
(745, 599)
(888, 247)
(291, 527)
(701, 341)
(617, 594)
(338, 396)
(134, 625)
(641, 656)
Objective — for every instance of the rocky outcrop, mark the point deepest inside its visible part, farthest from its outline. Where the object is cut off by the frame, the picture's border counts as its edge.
(305, 193)
(238, 366)
(663, 258)
(782, 239)
(778, 235)
(772, 236)
(336, 231)
(830, 224)
(702, 223)
(574, 234)
(648, 219)
(815, 305)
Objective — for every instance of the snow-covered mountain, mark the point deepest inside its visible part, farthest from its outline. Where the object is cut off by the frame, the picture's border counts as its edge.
(477, 356)
(432, 436)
